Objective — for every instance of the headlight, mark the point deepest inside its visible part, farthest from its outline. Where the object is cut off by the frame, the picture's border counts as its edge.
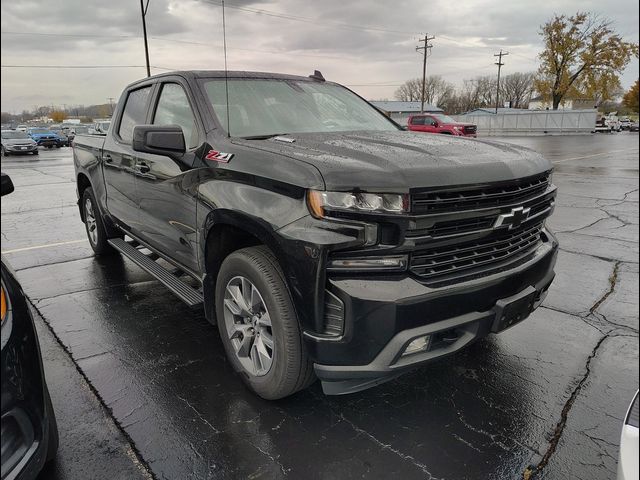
(356, 202)
(457, 128)
(4, 305)
(393, 263)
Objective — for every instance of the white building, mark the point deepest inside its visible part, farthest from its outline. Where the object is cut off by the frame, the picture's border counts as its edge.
(539, 103)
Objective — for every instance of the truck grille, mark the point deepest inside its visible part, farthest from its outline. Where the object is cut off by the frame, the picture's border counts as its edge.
(466, 260)
(470, 198)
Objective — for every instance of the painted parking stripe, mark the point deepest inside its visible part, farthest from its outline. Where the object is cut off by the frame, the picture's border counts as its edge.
(595, 155)
(49, 245)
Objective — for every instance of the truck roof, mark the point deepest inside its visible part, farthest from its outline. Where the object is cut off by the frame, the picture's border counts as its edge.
(221, 74)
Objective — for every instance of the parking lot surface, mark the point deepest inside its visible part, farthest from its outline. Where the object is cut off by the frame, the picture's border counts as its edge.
(544, 399)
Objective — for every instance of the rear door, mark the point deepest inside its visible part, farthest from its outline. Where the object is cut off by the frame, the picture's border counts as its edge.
(168, 187)
(119, 160)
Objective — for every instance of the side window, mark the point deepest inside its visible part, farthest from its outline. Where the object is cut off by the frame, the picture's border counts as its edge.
(135, 111)
(429, 121)
(417, 121)
(174, 109)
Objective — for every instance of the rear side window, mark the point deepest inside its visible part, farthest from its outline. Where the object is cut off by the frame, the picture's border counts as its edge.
(417, 121)
(174, 109)
(135, 112)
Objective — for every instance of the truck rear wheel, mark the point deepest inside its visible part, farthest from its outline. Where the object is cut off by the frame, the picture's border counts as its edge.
(94, 224)
(258, 324)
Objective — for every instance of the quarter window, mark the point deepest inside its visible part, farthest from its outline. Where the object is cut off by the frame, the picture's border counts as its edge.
(135, 113)
(174, 109)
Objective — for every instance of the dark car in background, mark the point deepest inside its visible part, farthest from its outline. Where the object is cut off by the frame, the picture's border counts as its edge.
(61, 132)
(44, 137)
(15, 142)
(29, 429)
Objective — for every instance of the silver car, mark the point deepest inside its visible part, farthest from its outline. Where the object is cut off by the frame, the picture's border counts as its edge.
(628, 462)
(16, 142)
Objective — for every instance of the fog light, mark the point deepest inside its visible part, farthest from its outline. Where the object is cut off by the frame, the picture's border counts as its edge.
(420, 344)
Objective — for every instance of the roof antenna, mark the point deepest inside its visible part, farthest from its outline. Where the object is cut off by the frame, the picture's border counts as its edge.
(226, 75)
(317, 75)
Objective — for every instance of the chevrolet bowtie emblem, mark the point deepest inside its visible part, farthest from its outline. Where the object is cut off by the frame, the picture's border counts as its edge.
(513, 219)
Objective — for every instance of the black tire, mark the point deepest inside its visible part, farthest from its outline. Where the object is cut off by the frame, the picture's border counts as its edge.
(53, 442)
(98, 241)
(291, 369)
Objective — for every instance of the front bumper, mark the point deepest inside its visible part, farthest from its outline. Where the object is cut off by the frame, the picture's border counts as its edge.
(382, 316)
(48, 142)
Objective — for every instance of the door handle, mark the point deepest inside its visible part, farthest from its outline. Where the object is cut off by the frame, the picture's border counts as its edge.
(143, 167)
(107, 158)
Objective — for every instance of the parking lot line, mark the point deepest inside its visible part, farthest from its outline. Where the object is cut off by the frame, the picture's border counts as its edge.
(38, 247)
(595, 155)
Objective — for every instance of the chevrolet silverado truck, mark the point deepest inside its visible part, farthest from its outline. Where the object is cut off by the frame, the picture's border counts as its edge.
(440, 123)
(323, 239)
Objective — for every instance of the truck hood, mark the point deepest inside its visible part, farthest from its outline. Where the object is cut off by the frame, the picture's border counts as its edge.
(399, 161)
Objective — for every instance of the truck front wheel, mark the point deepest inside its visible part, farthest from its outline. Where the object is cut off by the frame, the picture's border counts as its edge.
(94, 224)
(258, 324)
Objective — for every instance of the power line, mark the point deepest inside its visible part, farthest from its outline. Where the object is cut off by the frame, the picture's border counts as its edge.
(74, 66)
(314, 21)
(426, 48)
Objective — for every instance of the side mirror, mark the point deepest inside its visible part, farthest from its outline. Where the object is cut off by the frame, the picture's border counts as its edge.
(7, 184)
(159, 139)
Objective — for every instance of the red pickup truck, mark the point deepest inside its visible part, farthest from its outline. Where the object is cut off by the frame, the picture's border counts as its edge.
(439, 123)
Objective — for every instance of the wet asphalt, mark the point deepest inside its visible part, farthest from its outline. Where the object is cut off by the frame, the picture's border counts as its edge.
(142, 387)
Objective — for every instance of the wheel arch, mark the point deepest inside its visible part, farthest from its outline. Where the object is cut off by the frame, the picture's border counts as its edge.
(82, 183)
(225, 233)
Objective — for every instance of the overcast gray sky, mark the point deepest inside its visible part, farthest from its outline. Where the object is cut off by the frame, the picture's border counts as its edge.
(356, 42)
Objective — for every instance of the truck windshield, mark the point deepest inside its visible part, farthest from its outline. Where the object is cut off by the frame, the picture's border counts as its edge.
(265, 107)
(445, 118)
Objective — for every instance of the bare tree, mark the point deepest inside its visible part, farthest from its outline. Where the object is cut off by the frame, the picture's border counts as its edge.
(437, 90)
(410, 91)
(516, 89)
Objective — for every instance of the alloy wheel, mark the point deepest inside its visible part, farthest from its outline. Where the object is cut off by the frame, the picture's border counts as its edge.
(90, 220)
(248, 326)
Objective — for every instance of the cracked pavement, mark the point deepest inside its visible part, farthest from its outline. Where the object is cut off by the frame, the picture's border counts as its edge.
(544, 399)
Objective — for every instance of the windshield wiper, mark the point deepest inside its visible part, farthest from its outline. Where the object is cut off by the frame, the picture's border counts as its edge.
(278, 136)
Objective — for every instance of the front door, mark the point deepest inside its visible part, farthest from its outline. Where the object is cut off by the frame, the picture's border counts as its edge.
(119, 160)
(167, 187)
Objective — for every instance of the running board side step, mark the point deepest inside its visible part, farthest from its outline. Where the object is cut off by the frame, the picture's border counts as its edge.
(183, 291)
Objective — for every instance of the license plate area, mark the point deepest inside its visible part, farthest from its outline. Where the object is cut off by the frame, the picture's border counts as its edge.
(512, 310)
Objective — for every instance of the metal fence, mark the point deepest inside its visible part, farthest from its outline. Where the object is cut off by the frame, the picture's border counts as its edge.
(533, 122)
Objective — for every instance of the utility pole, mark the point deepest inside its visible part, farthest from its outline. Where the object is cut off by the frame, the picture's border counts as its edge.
(111, 99)
(426, 48)
(499, 64)
(143, 11)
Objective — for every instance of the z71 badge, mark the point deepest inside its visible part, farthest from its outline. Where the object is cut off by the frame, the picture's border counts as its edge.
(219, 156)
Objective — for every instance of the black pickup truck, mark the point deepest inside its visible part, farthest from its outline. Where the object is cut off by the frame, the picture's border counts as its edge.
(323, 239)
